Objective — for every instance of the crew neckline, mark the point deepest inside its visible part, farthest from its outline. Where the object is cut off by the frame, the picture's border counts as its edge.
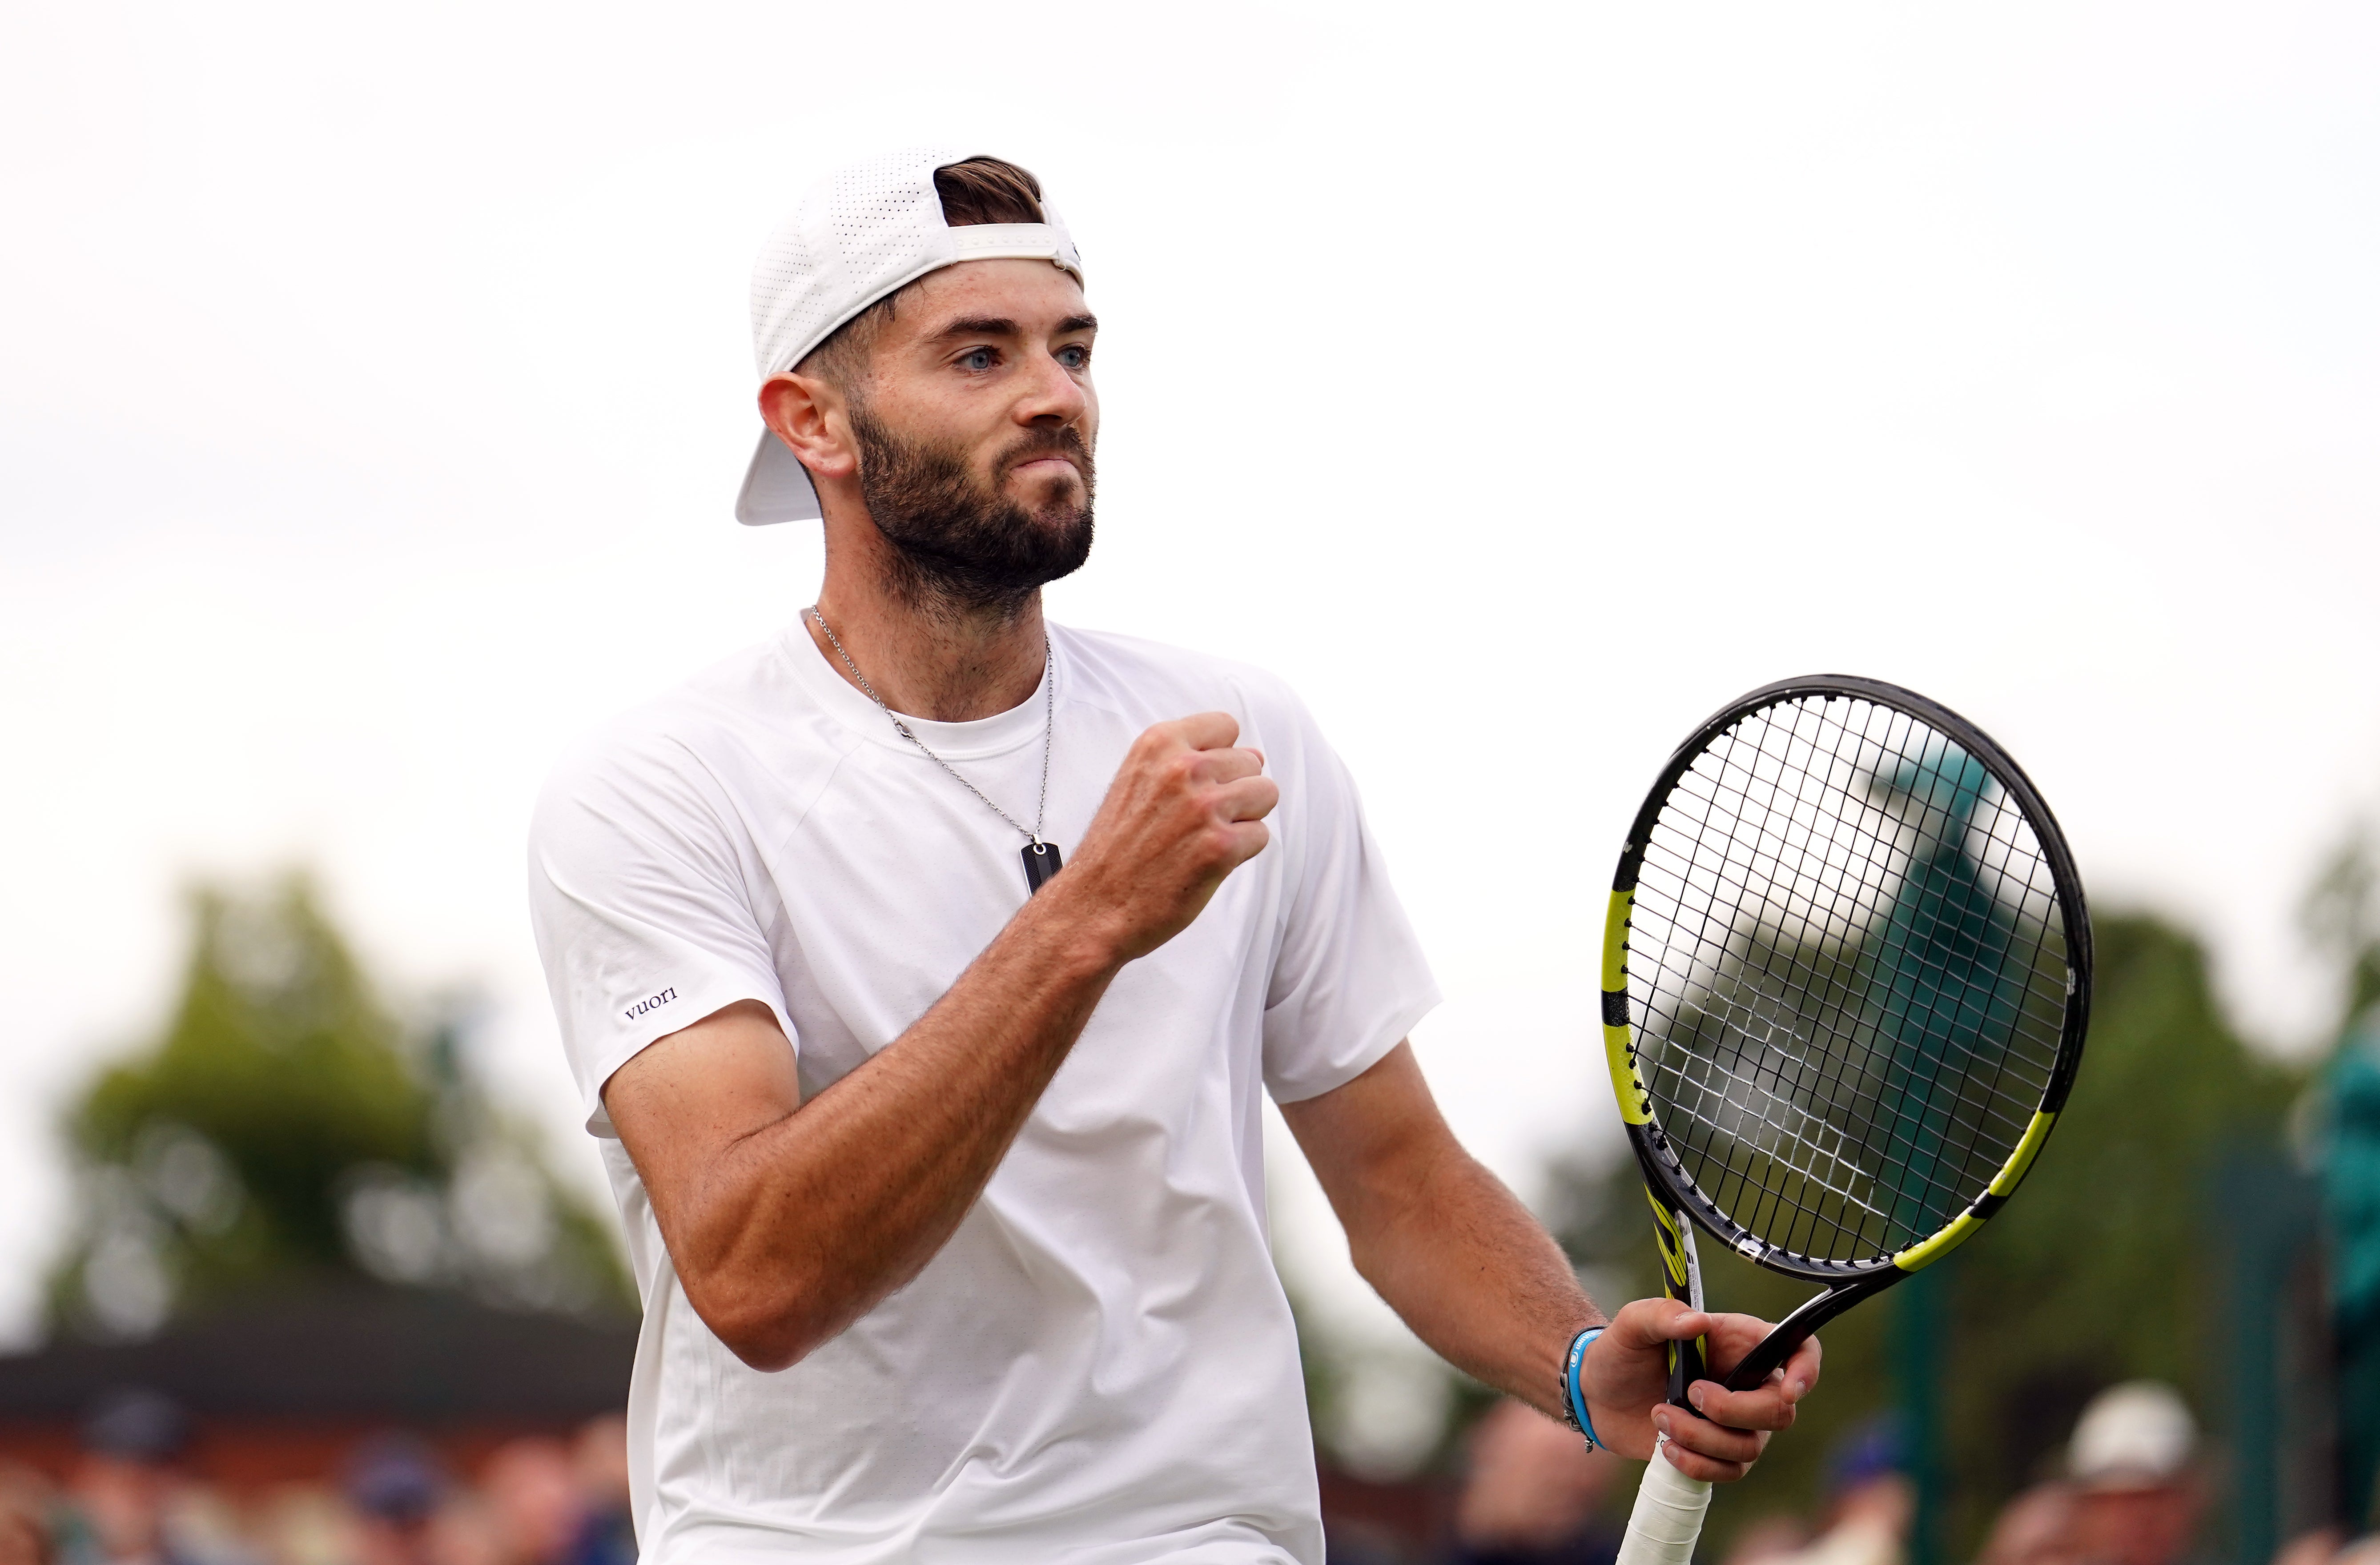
(976, 740)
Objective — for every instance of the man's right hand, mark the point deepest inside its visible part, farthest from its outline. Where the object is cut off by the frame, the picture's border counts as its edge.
(1185, 809)
(788, 1220)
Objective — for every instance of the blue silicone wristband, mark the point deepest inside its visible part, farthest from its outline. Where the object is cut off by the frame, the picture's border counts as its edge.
(1578, 1346)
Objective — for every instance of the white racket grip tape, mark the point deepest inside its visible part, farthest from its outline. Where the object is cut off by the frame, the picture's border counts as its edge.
(1668, 1518)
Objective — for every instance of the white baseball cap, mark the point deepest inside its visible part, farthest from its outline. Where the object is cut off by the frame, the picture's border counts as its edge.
(863, 232)
(2135, 1436)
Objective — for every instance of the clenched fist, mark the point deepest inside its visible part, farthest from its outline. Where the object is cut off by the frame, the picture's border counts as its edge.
(1185, 809)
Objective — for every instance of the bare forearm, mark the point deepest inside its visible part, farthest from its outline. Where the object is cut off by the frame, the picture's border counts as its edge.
(806, 1224)
(788, 1220)
(1475, 1275)
(1471, 1272)
(1445, 1244)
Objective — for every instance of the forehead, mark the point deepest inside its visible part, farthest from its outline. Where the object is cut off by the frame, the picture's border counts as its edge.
(1034, 294)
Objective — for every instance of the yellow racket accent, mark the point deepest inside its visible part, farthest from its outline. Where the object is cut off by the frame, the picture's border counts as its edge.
(1926, 1252)
(1635, 1104)
(1615, 940)
(2022, 1159)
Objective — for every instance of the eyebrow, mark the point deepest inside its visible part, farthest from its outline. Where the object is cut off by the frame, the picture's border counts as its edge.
(1001, 326)
(979, 326)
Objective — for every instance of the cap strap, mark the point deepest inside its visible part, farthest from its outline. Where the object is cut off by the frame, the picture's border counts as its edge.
(1027, 241)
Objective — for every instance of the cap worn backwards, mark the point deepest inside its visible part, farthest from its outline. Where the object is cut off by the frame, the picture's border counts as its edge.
(866, 231)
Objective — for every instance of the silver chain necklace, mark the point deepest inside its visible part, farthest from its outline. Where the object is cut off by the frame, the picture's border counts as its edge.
(1041, 858)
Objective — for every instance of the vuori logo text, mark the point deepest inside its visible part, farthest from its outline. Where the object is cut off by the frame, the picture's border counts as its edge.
(654, 1003)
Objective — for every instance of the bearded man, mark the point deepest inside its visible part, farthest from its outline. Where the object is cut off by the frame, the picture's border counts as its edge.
(921, 969)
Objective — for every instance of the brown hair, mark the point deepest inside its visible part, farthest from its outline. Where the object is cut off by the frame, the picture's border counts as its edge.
(976, 191)
(988, 190)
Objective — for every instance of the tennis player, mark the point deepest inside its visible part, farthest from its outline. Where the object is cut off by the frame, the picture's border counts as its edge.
(922, 969)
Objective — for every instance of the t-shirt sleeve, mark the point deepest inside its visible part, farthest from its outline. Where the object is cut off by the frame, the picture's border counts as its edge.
(639, 900)
(1350, 980)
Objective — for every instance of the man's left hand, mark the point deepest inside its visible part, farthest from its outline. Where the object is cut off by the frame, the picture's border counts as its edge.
(1626, 1377)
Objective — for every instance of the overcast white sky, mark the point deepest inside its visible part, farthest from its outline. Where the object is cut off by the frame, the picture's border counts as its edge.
(1520, 381)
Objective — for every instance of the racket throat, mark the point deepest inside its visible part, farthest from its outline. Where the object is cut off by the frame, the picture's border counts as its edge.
(1803, 1324)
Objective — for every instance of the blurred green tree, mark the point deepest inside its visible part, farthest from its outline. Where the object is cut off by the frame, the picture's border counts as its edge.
(285, 1127)
(2101, 1270)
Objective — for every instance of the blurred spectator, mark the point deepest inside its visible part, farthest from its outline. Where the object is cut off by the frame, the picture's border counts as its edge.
(532, 1495)
(599, 1460)
(2133, 1464)
(124, 1484)
(1532, 1493)
(2036, 1528)
(1768, 1539)
(2132, 1495)
(540, 1501)
(303, 1524)
(2350, 1173)
(1869, 1505)
(2316, 1547)
(25, 1505)
(397, 1489)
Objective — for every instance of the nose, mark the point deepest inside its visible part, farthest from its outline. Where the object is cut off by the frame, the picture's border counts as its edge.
(1052, 397)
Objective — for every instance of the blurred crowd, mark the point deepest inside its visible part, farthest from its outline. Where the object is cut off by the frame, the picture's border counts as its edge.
(2133, 1488)
(130, 1499)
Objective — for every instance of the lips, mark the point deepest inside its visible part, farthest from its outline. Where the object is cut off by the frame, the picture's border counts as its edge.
(1048, 445)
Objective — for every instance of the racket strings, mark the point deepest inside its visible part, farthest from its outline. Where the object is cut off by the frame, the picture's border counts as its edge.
(1738, 844)
(1771, 971)
(1848, 968)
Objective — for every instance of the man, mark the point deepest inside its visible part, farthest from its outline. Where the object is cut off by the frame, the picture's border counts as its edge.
(123, 1488)
(921, 969)
(1531, 1494)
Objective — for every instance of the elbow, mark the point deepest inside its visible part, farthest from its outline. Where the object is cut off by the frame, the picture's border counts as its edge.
(769, 1329)
(763, 1349)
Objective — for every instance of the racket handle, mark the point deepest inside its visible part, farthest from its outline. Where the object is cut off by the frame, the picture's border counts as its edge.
(1669, 1516)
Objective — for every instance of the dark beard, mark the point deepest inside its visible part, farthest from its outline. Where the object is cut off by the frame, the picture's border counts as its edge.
(954, 536)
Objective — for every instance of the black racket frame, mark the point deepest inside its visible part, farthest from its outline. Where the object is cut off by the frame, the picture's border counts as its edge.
(1673, 1191)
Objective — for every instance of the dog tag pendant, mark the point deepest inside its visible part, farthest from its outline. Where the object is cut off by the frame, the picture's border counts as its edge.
(1041, 861)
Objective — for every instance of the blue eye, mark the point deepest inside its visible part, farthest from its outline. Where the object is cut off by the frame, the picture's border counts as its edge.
(977, 359)
(1074, 356)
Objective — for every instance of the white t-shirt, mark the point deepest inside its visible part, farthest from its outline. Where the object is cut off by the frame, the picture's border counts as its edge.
(1099, 1367)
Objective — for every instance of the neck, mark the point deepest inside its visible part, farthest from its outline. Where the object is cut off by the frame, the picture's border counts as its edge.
(931, 658)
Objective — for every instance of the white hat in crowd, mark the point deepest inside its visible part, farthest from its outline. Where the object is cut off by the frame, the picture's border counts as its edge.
(2135, 1436)
(863, 232)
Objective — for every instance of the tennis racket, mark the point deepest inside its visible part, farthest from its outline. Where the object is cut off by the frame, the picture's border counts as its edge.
(1846, 976)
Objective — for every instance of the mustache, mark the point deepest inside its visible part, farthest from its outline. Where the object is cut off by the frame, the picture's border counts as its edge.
(1066, 441)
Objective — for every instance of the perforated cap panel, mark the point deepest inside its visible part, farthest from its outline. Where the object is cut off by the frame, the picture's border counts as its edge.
(863, 232)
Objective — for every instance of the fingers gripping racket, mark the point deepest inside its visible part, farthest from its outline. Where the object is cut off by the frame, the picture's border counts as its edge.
(1846, 976)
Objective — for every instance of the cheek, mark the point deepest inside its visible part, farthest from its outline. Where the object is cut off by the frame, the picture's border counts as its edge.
(936, 420)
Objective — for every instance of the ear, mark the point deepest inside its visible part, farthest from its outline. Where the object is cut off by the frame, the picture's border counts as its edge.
(812, 418)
